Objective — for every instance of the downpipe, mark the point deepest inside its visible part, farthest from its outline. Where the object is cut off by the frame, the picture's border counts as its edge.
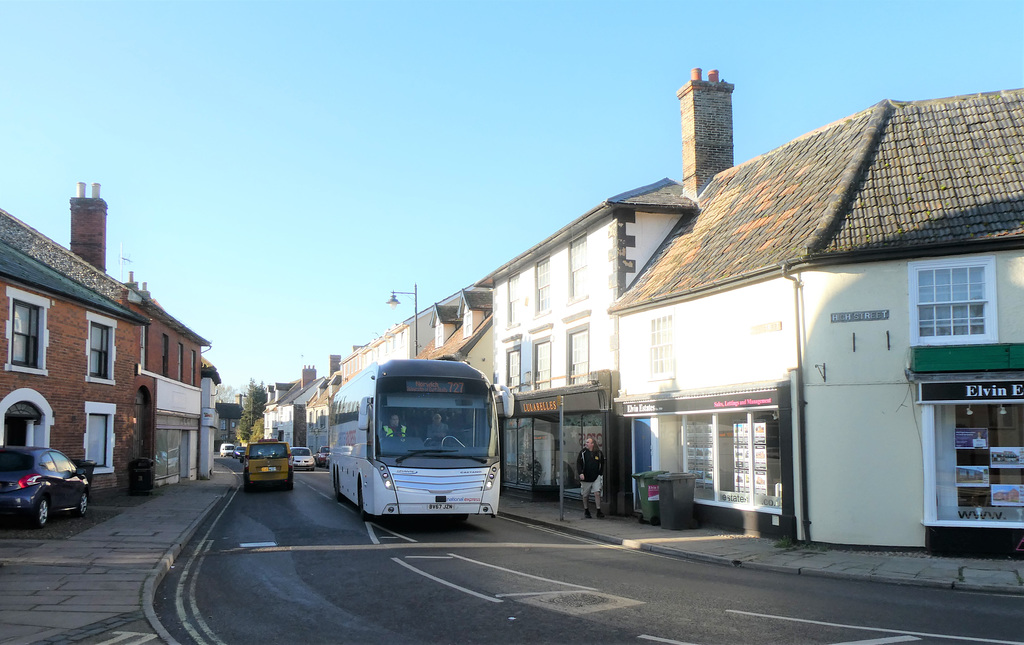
(801, 402)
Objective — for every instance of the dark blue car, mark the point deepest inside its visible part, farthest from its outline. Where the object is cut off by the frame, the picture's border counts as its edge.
(35, 482)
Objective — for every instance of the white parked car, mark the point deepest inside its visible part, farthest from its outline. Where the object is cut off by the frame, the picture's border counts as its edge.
(226, 449)
(302, 459)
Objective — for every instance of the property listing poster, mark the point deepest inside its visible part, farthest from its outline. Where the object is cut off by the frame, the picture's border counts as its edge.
(760, 458)
(979, 465)
(741, 456)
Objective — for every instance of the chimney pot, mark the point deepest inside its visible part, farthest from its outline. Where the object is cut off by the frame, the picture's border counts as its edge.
(95, 191)
(81, 189)
(713, 76)
(695, 74)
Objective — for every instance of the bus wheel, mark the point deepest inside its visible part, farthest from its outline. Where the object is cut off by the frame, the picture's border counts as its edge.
(362, 511)
(337, 489)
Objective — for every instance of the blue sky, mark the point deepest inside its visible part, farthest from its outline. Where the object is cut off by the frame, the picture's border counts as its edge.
(274, 169)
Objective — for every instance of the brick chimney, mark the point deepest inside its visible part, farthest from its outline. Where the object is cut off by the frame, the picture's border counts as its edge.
(706, 110)
(308, 375)
(335, 361)
(89, 227)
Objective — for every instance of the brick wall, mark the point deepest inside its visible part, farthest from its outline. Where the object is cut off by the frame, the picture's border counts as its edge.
(64, 386)
(706, 111)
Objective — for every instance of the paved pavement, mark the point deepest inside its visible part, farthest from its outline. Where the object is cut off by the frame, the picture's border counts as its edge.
(98, 586)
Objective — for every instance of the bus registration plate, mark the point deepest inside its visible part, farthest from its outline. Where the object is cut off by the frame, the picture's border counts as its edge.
(440, 507)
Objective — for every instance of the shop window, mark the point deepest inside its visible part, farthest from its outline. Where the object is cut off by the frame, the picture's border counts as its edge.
(700, 453)
(979, 464)
(736, 458)
(953, 301)
(168, 451)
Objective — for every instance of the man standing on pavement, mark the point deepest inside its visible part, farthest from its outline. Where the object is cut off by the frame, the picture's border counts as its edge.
(590, 466)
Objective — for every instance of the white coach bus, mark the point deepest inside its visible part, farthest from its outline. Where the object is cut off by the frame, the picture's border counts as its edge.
(418, 437)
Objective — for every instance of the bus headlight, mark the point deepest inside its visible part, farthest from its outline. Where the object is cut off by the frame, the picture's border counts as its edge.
(491, 476)
(386, 476)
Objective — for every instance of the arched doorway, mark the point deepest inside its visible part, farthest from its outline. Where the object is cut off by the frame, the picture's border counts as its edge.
(20, 421)
(142, 437)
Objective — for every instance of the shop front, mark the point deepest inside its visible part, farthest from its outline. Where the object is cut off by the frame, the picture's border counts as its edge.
(533, 461)
(973, 434)
(738, 444)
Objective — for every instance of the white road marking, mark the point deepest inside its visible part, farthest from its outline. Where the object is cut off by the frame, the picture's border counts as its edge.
(882, 641)
(446, 583)
(373, 536)
(876, 629)
(520, 573)
(257, 545)
(427, 557)
(123, 638)
(663, 640)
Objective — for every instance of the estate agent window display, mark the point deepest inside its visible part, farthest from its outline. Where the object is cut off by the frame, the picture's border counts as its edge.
(979, 464)
(736, 458)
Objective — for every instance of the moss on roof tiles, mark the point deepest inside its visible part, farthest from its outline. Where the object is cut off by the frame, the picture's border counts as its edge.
(897, 176)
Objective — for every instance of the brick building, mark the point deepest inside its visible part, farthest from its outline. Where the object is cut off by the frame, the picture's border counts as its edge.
(69, 364)
(143, 365)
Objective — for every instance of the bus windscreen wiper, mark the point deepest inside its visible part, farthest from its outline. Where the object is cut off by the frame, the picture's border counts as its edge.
(425, 451)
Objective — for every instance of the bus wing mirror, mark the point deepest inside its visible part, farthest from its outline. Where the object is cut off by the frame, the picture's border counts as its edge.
(507, 399)
(365, 405)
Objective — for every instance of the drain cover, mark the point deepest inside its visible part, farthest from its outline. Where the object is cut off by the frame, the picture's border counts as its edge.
(578, 602)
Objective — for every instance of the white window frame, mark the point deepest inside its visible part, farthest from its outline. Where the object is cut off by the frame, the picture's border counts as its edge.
(579, 356)
(438, 334)
(105, 462)
(514, 373)
(988, 300)
(578, 269)
(542, 297)
(467, 323)
(91, 318)
(513, 300)
(662, 350)
(43, 331)
(538, 383)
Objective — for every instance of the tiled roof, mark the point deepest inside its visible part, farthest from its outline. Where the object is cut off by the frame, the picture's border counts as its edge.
(664, 195)
(477, 299)
(22, 268)
(456, 346)
(448, 313)
(893, 178)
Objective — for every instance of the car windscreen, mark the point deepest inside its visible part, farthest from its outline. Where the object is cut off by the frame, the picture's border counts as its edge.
(302, 452)
(270, 451)
(14, 461)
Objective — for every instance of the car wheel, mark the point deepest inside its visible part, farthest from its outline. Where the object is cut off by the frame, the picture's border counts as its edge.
(83, 505)
(290, 484)
(41, 512)
(247, 487)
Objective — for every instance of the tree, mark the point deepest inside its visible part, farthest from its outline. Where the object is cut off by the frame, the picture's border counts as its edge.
(253, 402)
(226, 394)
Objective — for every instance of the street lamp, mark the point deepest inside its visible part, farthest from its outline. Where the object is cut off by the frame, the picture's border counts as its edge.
(393, 301)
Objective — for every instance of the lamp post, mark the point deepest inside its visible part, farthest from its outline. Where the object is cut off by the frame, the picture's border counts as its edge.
(393, 301)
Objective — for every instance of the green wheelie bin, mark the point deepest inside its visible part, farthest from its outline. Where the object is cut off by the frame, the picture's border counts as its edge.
(647, 485)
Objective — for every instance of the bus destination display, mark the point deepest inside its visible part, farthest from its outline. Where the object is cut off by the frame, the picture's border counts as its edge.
(434, 385)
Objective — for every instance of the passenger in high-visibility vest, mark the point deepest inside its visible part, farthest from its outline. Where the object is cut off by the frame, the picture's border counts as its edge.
(395, 429)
